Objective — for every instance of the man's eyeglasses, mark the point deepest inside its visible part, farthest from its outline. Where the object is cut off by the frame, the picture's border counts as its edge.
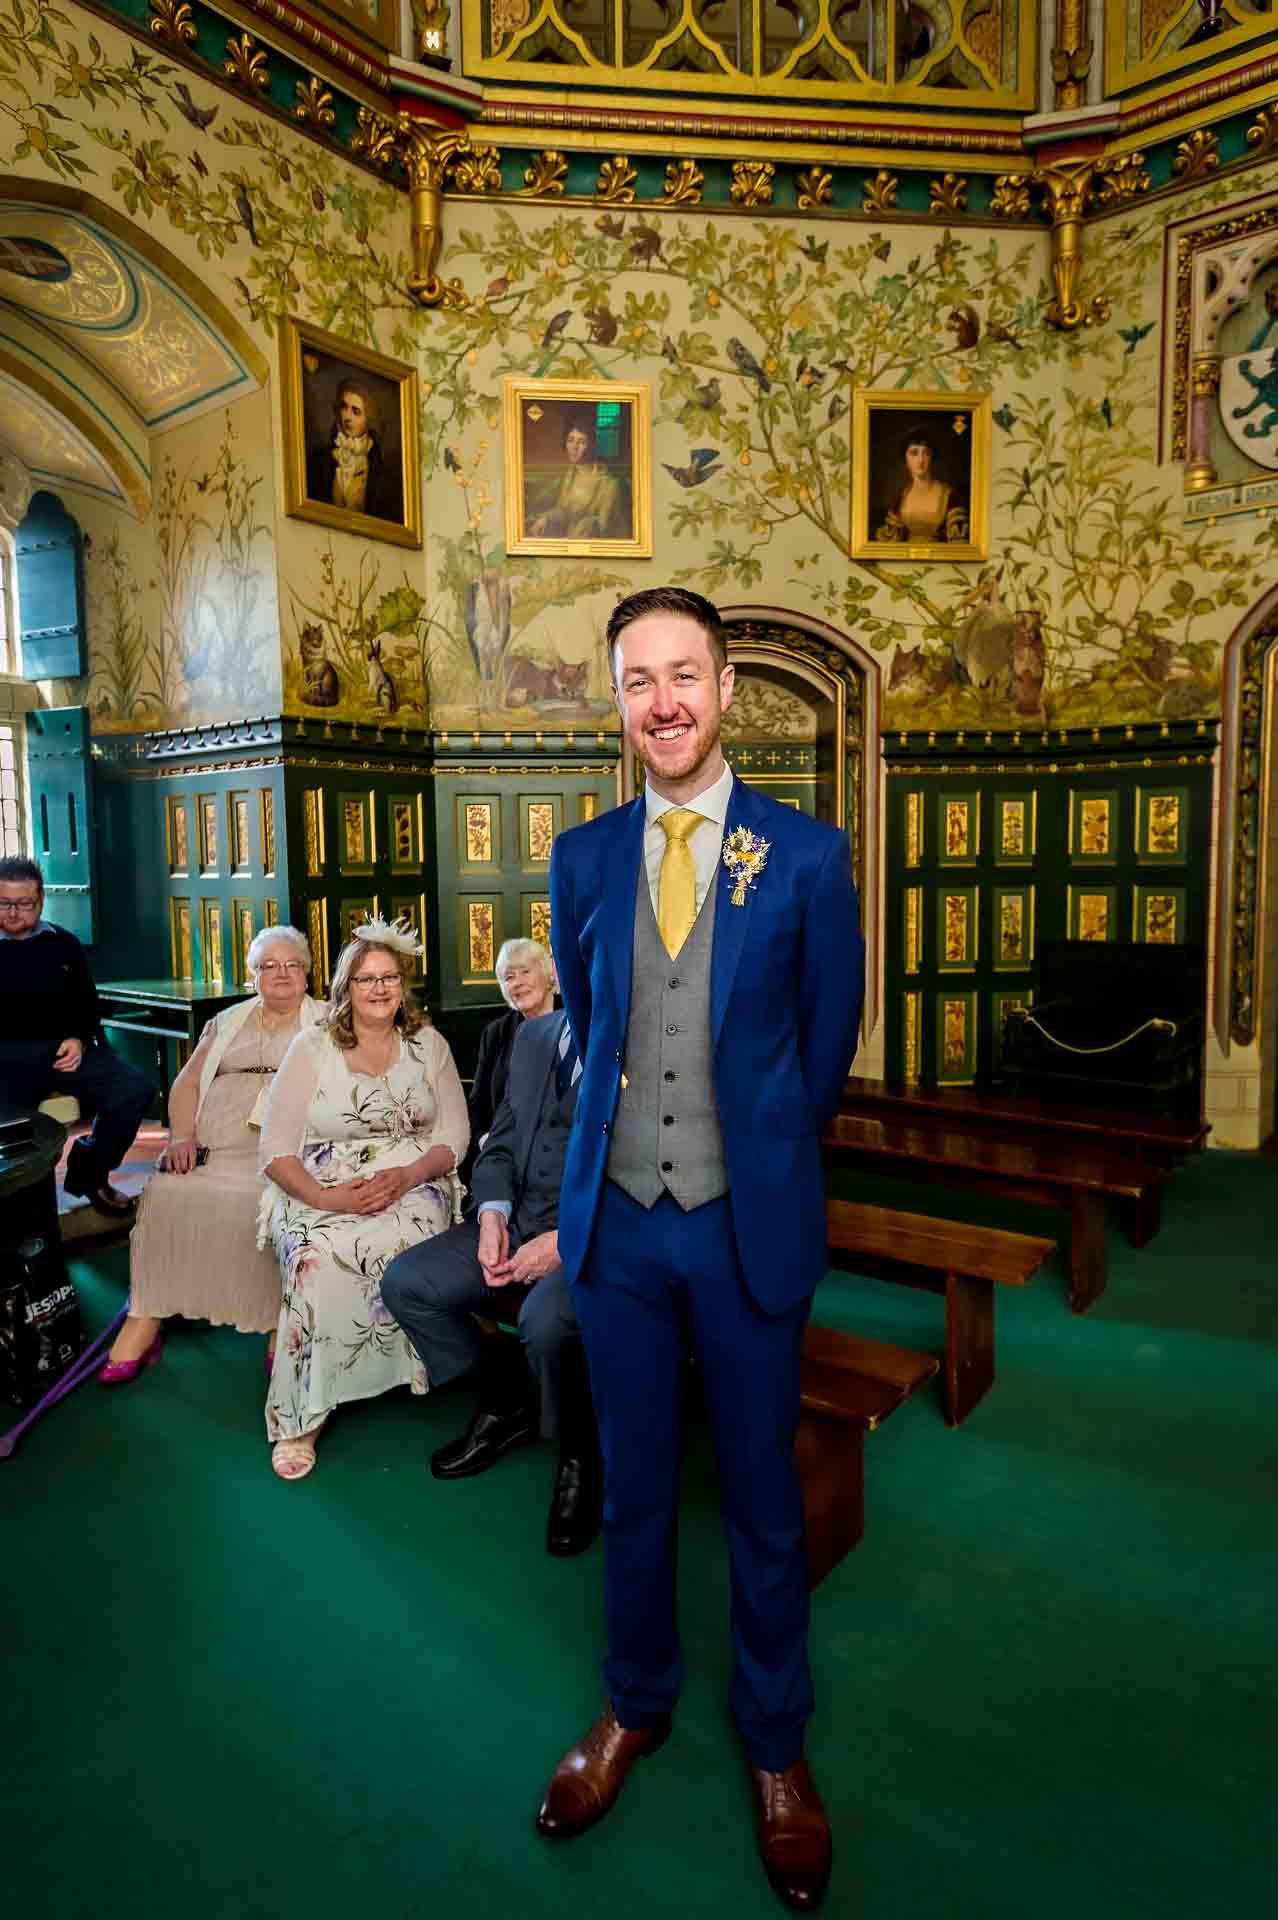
(371, 981)
(282, 966)
(18, 906)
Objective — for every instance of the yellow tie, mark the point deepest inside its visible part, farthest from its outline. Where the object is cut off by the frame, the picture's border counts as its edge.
(677, 886)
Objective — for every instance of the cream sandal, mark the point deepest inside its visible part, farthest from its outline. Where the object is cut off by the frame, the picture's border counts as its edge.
(293, 1459)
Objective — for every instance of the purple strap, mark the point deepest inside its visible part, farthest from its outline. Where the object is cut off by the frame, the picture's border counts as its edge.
(76, 1374)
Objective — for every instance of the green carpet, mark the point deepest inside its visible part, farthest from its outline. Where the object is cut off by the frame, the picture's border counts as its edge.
(1045, 1681)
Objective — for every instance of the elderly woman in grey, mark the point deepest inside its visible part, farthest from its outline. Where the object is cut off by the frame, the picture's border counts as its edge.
(526, 977)
(194, 1249)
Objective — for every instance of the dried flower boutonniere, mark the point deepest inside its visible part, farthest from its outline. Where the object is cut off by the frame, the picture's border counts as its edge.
(745, 857)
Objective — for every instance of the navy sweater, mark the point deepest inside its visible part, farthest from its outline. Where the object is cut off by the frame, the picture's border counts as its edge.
(46, 989)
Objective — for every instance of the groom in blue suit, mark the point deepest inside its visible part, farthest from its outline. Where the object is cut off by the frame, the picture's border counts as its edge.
(712, 966)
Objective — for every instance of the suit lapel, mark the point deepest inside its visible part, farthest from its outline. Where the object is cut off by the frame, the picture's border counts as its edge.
(541, 1068)
(620, 886)
(731, 924)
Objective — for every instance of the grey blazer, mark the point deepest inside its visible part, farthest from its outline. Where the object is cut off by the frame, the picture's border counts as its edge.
(503, 1164)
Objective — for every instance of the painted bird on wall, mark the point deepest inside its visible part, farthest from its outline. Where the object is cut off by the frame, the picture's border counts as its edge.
(486, 613)
(602, 324)
(701, 464)
(746, 364)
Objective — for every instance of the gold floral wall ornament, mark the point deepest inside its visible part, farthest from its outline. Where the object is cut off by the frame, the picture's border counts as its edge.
(684, 181)
(616, 183)
(314, 105)
(948, 194)
(476, 170)
(546, 173)
(1262, 134)
(245, 63)
(752, 182)
(880, 193)
(374, 138)
(428, 155)
(1010, 199)
(1121, 180)
(1067, 188)
(1197, 155)
(171, 20)
(1072, 54)
(816, 188)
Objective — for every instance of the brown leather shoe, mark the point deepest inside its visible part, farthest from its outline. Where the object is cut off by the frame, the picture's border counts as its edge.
(592, 1774)
(794, 1835)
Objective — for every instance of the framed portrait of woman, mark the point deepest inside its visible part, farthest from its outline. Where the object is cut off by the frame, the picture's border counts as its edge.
(578, 467)
(351, 456)
(920, 476)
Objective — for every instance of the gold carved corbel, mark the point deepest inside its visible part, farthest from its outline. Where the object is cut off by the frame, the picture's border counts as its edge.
(1067, 187)
(428, 154)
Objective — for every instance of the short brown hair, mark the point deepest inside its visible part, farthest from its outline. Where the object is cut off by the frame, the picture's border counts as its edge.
(409, 1017)
(678, 600)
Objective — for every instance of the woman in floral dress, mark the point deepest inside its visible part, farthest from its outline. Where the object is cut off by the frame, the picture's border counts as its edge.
(364, 1130)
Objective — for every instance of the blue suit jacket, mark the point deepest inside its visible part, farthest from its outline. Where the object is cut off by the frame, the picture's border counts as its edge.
(786, 985)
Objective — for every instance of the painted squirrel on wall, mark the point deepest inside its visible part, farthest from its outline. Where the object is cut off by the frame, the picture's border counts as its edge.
(321, 686)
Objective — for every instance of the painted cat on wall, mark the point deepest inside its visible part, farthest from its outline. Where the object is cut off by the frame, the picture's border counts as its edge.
(321, 684)
(563, 684)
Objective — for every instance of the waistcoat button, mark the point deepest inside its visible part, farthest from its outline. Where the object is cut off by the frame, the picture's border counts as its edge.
(672, 1029)
(675, 981)
(669, 1074)
(667, 1166)
(668, 1120)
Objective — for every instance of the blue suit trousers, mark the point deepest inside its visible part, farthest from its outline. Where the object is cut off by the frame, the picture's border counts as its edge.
(656, 1283)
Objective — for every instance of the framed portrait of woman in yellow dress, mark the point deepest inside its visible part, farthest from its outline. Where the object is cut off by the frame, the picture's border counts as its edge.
(578, 467)
(920, 476)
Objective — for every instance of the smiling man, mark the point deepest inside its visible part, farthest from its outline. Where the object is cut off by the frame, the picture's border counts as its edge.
(711, 962)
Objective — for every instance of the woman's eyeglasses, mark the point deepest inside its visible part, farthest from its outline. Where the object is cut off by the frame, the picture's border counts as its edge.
(372, 981)
(282, 966)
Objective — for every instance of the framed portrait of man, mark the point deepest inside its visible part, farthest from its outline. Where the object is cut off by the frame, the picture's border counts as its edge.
(920, 476)
(351, 457)
(578, 467)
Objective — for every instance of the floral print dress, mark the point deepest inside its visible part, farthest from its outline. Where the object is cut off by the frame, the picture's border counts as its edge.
(336, 1340)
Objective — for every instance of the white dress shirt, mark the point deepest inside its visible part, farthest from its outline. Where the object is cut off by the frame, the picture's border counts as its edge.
(705, 842)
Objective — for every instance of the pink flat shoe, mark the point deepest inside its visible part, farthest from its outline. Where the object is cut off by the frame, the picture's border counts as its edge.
(116, 1372)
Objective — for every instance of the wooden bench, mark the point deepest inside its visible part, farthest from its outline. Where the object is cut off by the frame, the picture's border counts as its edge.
(1044, 1172)
(964, 1263)
(1163, 1140)
(849, 1386)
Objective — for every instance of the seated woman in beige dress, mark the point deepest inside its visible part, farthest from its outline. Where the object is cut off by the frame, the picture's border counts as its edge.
(363, 1134)
(194, 1248)
(927, 509)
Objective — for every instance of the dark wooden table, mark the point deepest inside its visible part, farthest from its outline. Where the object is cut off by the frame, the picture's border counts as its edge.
(167, 1010)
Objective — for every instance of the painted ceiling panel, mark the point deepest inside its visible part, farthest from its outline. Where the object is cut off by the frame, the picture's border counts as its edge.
(132, 322)
(49, 445)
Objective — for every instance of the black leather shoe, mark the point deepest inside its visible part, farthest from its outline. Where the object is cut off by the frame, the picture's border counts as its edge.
(488, 1436)
(105, 1198)
(576, 1509)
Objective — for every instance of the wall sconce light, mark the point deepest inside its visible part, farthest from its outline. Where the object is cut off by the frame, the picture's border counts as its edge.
(432, 33)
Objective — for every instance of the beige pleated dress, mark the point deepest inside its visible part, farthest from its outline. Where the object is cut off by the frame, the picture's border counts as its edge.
(194, 1248)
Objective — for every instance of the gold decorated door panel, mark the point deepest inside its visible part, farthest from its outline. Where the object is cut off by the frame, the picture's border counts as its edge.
(985, 863)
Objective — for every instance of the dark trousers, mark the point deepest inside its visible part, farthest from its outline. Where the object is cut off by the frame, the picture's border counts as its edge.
(116, 1092)
(658, 1282)
(436, 1288)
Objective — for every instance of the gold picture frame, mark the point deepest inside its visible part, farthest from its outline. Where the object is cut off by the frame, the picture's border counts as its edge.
(950, 524)
(315, 369)
(578, 467)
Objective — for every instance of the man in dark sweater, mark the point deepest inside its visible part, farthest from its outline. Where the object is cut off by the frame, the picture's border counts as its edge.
(49, 1040)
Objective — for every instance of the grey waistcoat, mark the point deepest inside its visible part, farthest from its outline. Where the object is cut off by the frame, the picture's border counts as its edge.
(537, 1209)
(666, 1136)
